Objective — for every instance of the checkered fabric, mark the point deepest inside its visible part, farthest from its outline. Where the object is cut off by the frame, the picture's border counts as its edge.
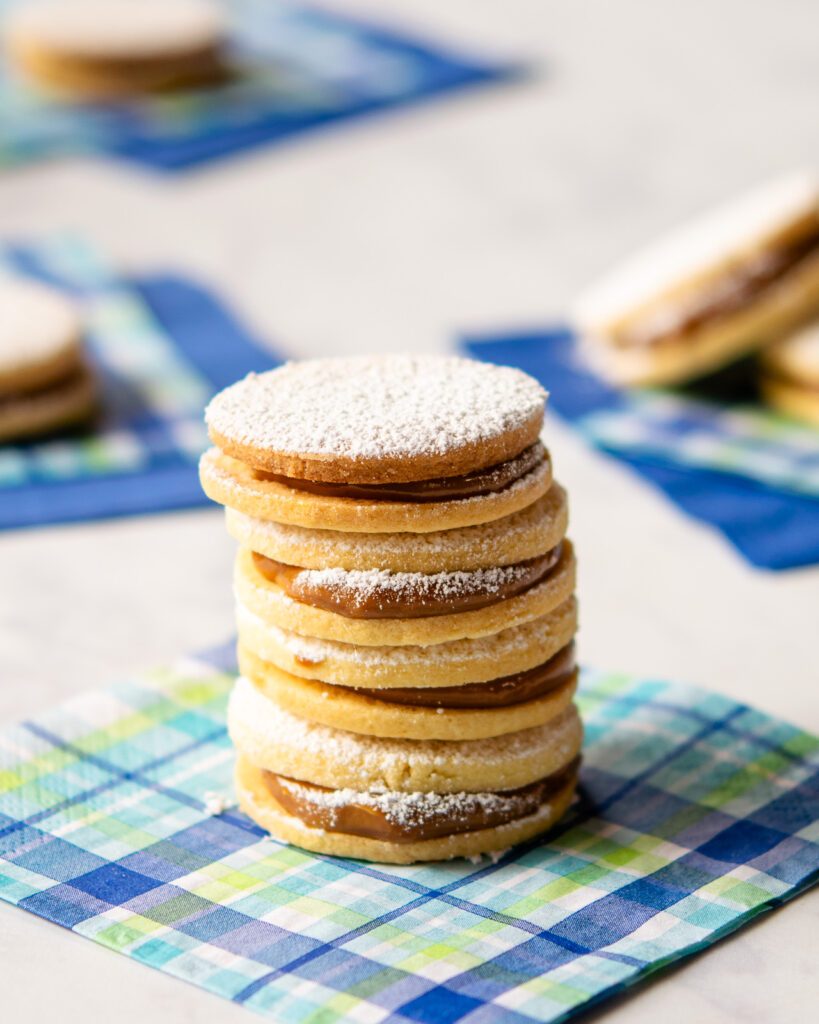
(747, 440)
(695, 815)
(161, 347)
(297, 68)
(750, 473)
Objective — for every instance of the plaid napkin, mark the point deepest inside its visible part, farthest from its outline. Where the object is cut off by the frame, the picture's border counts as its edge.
(748, 472)
(298, 68)
(161, 347)
(696, 814)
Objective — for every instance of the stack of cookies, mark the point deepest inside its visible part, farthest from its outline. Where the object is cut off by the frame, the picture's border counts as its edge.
(405, 606)
(45, 382)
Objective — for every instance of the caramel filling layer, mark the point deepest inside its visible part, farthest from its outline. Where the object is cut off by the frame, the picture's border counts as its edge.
(393, 817)
(724, 296)
(72, 377)
(482, 482)
(378, 594)
(499, 693)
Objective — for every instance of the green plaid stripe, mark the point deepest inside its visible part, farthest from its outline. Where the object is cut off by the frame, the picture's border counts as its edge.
(695, 814)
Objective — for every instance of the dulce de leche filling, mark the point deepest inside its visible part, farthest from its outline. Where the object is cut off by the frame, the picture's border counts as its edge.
(394, 817)
(471, 485)
(379, 594)
(724, 296)
(498, 693)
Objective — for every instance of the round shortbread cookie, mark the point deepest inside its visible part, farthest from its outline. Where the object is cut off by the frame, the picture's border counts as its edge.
(269, 601)
(449, 664)
(516, 538)
(256, 801)
(111, 48)
(56, 407)
(342, 708)
(273, 739)
(378, 419)
(234, 484)
(40, 336)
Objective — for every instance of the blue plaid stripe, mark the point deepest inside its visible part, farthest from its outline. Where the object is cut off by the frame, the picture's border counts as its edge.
(161, 348)
(749, 473)
(695, 815)
(298, 68)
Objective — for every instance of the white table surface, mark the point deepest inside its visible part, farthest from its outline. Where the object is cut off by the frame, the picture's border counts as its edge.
(486, 210)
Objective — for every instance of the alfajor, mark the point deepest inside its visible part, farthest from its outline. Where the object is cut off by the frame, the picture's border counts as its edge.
(405, 606)
(45, 382)
(789, 375)
(111, 49)
(720, 287)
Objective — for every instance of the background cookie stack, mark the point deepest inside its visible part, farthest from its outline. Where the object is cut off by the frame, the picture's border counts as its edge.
(405, 606)
(45, 382)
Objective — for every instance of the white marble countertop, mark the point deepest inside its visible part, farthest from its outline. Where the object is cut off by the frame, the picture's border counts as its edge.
(485, 210)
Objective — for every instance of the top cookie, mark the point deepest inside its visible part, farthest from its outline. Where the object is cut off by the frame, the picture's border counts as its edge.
(40, 332)
(378, 419)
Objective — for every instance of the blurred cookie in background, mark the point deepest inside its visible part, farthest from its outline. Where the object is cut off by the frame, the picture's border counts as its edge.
(789, 375)
(45, 382)
(113, 49)
(713, 291)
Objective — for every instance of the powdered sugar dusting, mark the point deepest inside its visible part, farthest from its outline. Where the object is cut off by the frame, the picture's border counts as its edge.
(376, 406)
(260, 722)
(411, 810)
(358, 587)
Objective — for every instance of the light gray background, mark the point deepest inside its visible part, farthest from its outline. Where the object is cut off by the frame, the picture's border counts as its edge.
(486, 210)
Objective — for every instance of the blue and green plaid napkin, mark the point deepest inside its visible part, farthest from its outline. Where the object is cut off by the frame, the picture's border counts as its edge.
(749, 472)
(161, 347)
(695, 815)
(298, 68)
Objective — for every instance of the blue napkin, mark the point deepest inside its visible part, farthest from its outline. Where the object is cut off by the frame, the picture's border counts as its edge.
(773, 527)
(298, 68)
(117, 821)
(161, 346)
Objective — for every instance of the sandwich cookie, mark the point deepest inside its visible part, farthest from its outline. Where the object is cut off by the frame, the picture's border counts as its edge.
(713, 291)
(511, 651)
(378, 444)
(526, 534)
(398, 800)
(45, 383)
(789, 375)
(378, 608)
(109, 49)
(466, 711)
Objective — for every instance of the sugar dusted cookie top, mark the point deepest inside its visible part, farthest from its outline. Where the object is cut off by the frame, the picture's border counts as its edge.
(39, 334)
(378, 418)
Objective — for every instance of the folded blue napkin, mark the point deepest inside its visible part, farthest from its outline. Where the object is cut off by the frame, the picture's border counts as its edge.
(161, 346)
(297, 68)
(750, 474)
(117, 821)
